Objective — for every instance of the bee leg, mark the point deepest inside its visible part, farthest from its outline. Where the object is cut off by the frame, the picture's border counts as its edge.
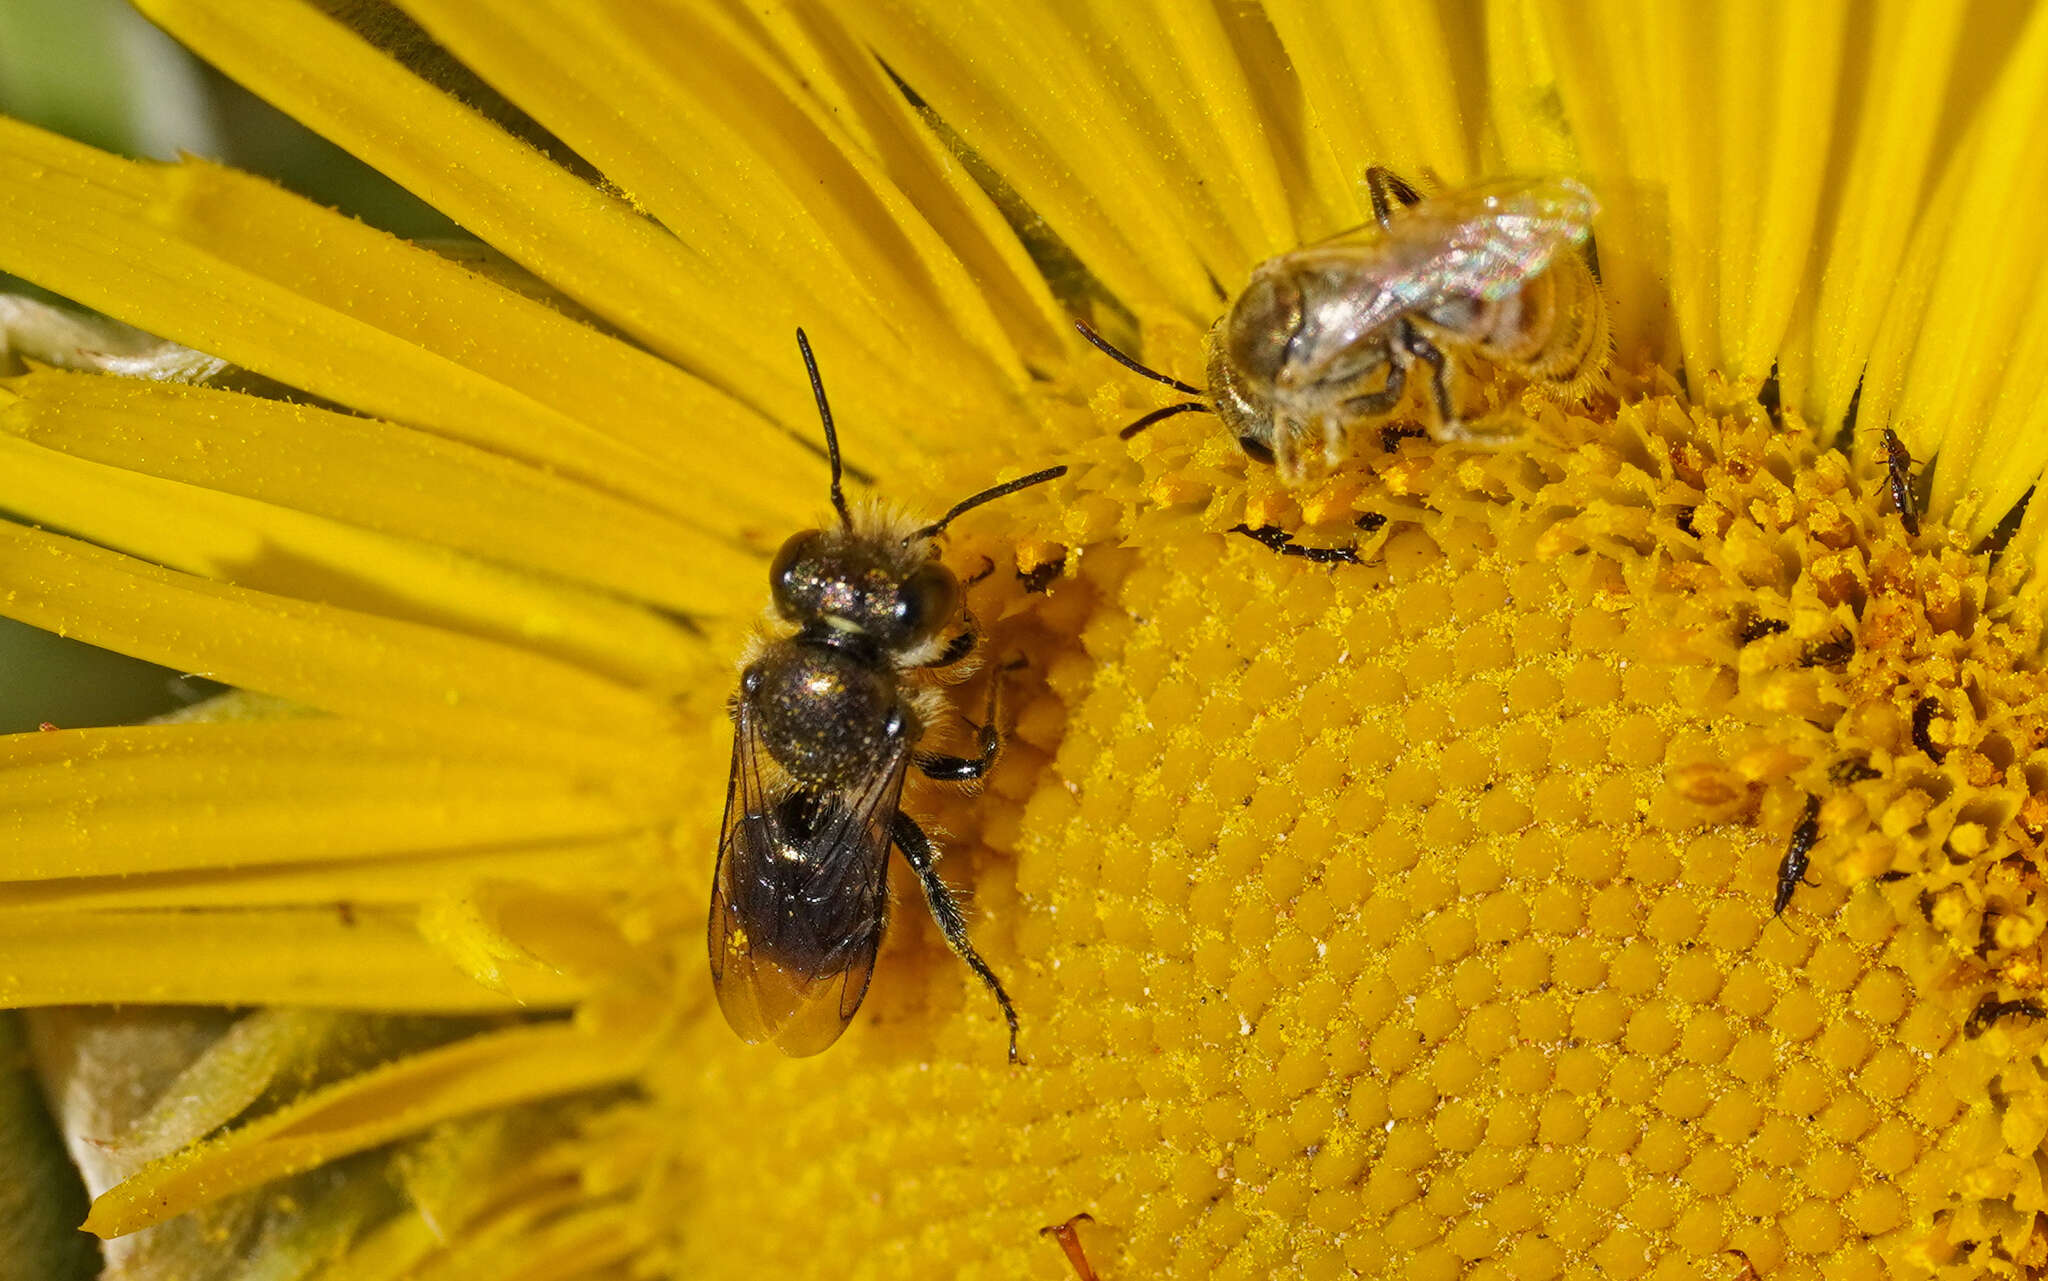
(1375, 403)
(968, 769)
(1381, 183)
(1430, 354)
(917, 851)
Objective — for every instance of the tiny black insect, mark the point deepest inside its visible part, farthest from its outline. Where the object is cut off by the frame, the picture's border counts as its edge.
(1923, 719)
(1898, 466)
(1070, 1245)
(1832, 652)
(1771, 396)
(1040, 577)
(1991, 1011)
(1792, 868)
(826, 725)
(1851, 769)
(1277, 539)
(1391, 437)
(1755, 629)
(1685, 515)
(1370, 522)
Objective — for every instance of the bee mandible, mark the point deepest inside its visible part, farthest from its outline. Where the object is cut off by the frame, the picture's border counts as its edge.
(1324, 338)
(827, 722)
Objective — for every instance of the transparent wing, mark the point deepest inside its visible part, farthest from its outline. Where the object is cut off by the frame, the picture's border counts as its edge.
(1478, 242)
(799, 898)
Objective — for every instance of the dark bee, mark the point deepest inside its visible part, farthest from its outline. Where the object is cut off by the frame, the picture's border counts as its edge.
(1324, 337)
(1792, 868)
(1898, 468)
(1069, 1239)
(827, 723)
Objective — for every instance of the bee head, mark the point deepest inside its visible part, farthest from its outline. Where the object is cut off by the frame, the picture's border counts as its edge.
(845, 585)
(1246, 410)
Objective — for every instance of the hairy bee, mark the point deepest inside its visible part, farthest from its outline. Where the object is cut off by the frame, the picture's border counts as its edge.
(1324, 337)
(826, 725)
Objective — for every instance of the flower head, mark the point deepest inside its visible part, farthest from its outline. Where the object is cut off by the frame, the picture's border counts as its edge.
(1432, 912)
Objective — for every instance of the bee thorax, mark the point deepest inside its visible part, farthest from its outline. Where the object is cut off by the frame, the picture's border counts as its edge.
(825, 716)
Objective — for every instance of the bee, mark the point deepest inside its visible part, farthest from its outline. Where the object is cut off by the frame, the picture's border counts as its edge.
(1325, 337)
(1069, 1238)
(826, 726)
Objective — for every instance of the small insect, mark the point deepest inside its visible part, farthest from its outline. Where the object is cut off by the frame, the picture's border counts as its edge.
(1792, 868)
(1923, 722)
(1755, 629)
(1274, 538)
(1851, 769)
(1070, 1245)
(1324, 337)
(1991, 1011)
(1898, 467)
(826, 725)
(1832, 652)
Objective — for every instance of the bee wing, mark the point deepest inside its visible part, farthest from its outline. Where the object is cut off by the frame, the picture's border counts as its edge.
(1479, 242)
(798, 900)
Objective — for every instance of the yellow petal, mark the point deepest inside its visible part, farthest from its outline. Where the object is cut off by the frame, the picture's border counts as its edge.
(490, 1071)
(501, 700)
(359, 959)
(1381, 86)
(1957, 368)
(593, 247)
(858, 96)
(640, 426)
(85, 228)
(397, 876)
(1034, 91)
(273, 549)
(85, 803)
(385, 478)
(1906, 50)
(792, 206)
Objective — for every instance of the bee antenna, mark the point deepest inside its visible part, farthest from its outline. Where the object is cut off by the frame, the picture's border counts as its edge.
(803, 345)
(938, 527)
(1101, 344)
(1165, 411)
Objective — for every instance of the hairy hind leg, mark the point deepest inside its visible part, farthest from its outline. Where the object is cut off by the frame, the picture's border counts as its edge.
(917, 851)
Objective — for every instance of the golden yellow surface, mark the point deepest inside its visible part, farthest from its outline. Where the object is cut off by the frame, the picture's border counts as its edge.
(1414, 919)
(1406, 919)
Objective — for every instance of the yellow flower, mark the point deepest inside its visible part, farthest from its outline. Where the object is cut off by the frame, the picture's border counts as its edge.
(1406, 918)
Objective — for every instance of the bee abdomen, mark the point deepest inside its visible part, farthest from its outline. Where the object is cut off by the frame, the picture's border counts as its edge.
(1555, 329)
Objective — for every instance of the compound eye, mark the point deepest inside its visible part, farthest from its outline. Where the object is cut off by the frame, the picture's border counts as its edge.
(927, 599)
(789, 577)
(1258, 450)
(1263, 325)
